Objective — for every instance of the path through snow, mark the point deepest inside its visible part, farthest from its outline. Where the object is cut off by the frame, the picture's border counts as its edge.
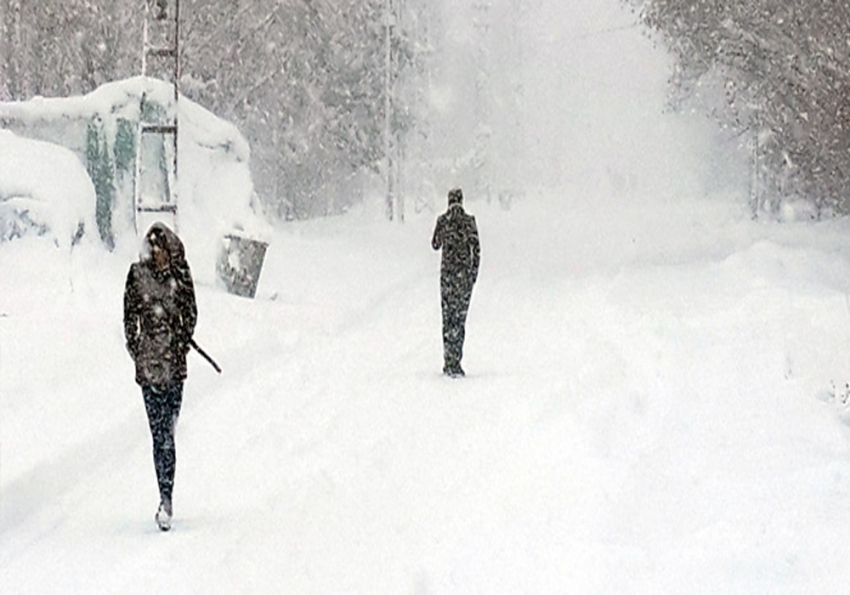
(640, 414)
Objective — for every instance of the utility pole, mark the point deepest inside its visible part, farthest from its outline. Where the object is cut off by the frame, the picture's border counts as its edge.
(389, 22)
(516, 178)
(392, 144)
(755, 167)
(483, 92)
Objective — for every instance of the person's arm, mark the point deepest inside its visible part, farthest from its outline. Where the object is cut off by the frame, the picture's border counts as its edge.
(187, 305)
(475, 250)
(437, 239)
(132, 313)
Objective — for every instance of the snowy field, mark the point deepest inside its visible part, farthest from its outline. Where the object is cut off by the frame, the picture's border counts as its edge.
(647, 407)
(642, 414)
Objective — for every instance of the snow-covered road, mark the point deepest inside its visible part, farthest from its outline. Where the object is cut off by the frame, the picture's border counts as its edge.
(641, 414)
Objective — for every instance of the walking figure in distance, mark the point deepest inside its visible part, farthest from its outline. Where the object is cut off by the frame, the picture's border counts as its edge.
(457, 235)
(159, 318)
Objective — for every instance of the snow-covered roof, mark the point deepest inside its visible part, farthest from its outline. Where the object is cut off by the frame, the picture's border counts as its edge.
(122, 99)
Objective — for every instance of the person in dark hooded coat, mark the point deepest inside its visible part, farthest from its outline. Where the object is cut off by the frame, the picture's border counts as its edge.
(160, 313)
(456, 234)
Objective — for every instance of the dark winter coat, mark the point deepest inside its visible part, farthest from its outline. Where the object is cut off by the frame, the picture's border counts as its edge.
(159, 311)
(457, 234)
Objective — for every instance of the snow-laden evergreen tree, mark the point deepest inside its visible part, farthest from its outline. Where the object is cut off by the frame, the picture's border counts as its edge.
(305, 82)
(777, 72)
(66, 47)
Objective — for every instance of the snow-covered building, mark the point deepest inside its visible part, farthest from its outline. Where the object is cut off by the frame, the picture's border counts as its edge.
(215, 193)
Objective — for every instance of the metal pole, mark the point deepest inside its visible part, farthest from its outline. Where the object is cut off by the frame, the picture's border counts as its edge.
(176, 45)
(388, 17)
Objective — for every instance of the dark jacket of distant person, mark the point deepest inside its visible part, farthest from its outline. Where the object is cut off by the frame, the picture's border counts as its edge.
(456, 233)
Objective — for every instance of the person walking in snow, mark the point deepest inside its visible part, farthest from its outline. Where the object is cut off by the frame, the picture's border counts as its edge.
(456, 234)
(159, 319)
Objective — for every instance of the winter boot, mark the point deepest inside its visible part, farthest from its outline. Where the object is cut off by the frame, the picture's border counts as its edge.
(163, 516)
(453, 371)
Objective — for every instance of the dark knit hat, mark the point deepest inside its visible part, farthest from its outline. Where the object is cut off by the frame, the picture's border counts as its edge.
(455, 196)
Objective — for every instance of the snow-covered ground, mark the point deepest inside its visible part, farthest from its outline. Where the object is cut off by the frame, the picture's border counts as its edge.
(641, 414)
(646, 410)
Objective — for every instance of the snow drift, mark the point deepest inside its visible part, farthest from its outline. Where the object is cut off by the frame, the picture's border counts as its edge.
(44, 189)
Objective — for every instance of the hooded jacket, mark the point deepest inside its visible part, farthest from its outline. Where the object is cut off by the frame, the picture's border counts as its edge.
(160, 311)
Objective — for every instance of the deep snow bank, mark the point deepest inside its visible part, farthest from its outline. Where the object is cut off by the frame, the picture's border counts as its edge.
(44, 189)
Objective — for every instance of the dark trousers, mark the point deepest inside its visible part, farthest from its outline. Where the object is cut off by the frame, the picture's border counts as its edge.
(455, 299)
(162, 404)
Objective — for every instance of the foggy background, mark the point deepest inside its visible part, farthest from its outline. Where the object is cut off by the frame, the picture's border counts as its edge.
(499, 97)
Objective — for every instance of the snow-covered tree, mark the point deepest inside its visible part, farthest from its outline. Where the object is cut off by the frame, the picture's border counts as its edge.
(304, 81)
(778, 70)
(67, 47)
